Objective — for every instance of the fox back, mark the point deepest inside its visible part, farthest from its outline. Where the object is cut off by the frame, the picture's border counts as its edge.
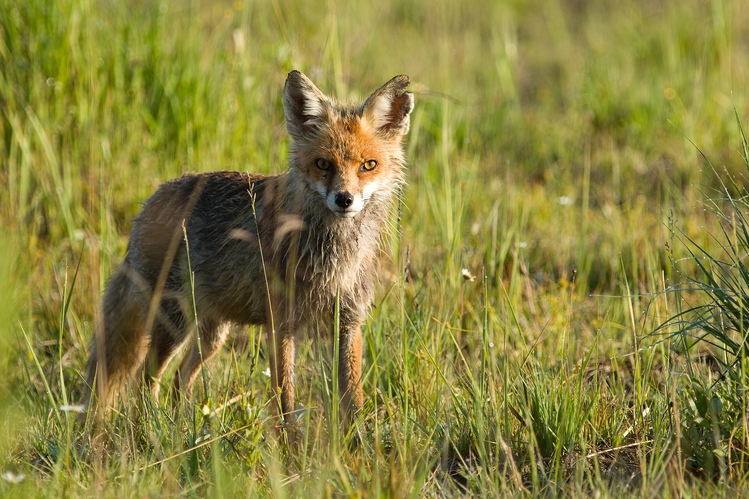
(230, 247)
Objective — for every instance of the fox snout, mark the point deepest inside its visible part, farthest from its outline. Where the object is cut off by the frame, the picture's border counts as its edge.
(344, 199)
(346, 202)
(343, 204)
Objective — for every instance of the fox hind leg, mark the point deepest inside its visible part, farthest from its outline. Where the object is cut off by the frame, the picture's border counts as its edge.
(168, 337)
(212, 334)
(120, 342)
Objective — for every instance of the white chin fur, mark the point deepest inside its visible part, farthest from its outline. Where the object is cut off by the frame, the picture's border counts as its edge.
(345, 213)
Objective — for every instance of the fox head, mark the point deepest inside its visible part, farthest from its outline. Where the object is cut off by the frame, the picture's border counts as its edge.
(349, 155)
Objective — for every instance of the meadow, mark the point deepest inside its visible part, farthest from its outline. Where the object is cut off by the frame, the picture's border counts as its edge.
(561, 303)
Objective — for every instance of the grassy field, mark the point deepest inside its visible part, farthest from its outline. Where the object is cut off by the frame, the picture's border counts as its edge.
(556, 154)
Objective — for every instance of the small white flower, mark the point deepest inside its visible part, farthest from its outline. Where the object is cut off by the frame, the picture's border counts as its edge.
(467, 275)
(267, 372)
(11, 477)
(521, 244)
(73, 408)
(565, 200)
(203, 438)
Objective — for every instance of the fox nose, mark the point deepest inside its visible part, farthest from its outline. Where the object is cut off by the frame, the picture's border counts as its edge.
(344, 199)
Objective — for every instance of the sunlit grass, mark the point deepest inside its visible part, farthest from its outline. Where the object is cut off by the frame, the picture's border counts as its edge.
(551, 144)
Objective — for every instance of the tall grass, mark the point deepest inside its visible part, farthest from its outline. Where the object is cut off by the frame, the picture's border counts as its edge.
(546, 153)
(715, 316)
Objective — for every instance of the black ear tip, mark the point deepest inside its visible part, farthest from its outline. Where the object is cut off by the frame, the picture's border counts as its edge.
(400, 82)
(297, 78)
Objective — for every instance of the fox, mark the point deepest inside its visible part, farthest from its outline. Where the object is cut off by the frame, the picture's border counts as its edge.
(284, 251)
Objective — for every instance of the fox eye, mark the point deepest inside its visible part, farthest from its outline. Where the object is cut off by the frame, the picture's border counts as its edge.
(323, 164)
(369, 165)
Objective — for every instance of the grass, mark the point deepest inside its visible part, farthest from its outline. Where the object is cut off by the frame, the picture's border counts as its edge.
(551, 154)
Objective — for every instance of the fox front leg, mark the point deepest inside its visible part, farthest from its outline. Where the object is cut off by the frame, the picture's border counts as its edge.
(349, 370)
(281, 348)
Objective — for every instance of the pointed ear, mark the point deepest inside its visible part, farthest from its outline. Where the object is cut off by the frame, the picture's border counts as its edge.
(389, 107)
(304, 105)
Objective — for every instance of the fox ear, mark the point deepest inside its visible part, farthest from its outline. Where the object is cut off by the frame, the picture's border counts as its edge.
(389, 107)
(304, 106)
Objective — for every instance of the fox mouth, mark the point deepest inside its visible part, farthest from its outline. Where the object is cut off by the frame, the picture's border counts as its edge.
(345, 213)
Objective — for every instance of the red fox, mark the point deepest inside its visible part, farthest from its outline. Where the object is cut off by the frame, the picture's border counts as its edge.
(227, 247)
